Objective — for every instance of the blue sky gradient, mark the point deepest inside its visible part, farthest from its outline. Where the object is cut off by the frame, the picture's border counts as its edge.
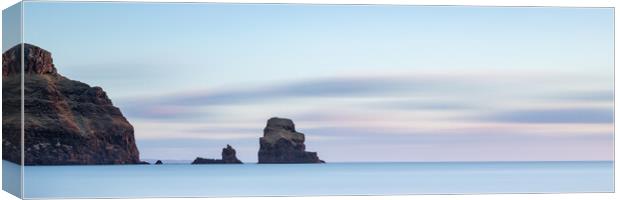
(364, 83)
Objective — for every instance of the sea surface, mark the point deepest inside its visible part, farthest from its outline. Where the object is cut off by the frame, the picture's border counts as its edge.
(184, 180)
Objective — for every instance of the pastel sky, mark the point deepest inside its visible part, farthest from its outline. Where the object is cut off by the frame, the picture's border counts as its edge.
(364, 83)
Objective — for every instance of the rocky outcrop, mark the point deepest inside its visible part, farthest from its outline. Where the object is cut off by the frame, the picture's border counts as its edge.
(37, 61)
(229, 156)
(159, 162)
(65, 121)
(281, 143)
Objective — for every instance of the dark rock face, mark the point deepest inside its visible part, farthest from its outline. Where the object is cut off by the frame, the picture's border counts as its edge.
(37, 61)
(65, 122)
(159, 162)
(281, 143)
(229, 156)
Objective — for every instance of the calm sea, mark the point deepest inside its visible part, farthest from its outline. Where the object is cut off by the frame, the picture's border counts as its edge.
(184, 180)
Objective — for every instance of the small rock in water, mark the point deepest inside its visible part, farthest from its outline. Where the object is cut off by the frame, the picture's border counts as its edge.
(228, 157)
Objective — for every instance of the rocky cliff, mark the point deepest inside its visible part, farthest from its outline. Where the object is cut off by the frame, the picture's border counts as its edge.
(229, 156)
(65, 121)
(281, 143)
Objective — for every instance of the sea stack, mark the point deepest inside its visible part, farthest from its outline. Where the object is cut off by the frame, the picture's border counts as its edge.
(66, 122)
(281, 143)
(229, 156)
(159, 162)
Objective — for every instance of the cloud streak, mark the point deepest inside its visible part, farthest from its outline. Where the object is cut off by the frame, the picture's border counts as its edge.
(601, 95)
(395, 93)
(184, 105)
(330, 87)
(570, 115)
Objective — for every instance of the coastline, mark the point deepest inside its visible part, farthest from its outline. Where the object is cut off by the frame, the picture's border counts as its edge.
(223, 180)
(188, 162)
